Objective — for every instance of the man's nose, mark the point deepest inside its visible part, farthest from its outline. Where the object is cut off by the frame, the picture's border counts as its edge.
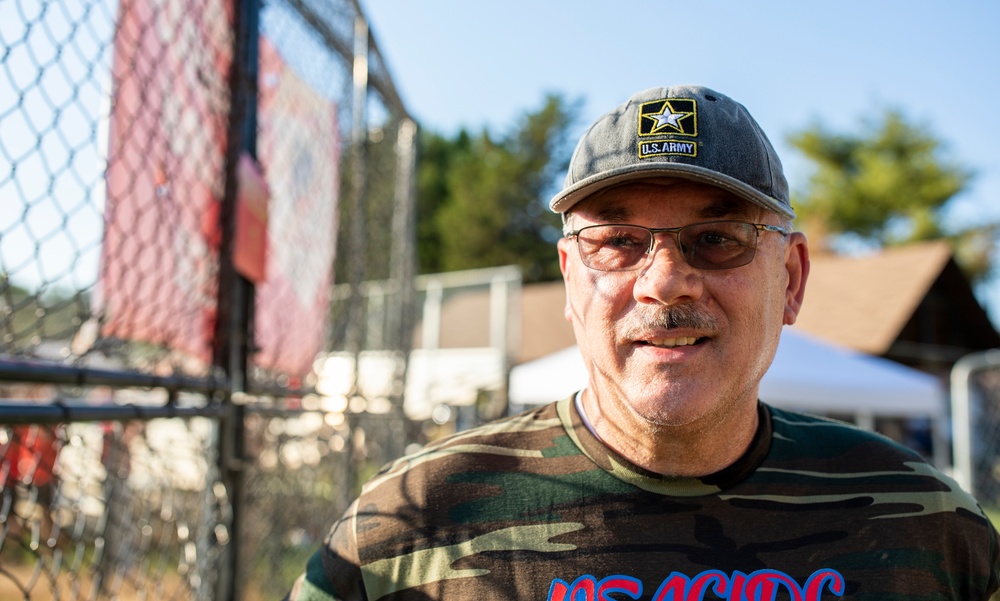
(666, 277)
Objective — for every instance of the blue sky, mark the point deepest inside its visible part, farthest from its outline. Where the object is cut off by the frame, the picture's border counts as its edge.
(792, 63)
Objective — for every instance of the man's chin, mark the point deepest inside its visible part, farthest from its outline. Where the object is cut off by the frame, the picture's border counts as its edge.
(667, 408)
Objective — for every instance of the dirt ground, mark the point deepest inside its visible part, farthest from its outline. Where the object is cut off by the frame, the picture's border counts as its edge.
(27, 582)
(31, 581)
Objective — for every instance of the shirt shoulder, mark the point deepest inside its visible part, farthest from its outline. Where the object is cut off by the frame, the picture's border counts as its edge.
(836, 459)
(806, 439)
(815, 462)
(534, 434)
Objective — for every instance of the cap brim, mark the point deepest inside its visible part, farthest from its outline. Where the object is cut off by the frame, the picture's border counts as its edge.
(567, 198)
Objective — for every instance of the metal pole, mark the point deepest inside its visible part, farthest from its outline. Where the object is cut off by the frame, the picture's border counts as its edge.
(14, 411)
(357, 258)
(433, 300)
(402, 271)
(14, 370)
(402, 268)
(356, 232)
(234, 331)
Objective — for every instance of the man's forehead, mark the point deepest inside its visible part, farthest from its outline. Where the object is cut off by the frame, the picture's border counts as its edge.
(619, 203)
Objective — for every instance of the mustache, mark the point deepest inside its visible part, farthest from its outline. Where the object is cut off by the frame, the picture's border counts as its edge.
(679, 316)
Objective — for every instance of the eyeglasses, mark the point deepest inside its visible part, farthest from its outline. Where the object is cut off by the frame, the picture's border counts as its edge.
(708, 245)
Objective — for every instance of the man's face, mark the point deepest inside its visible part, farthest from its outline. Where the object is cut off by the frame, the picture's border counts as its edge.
(671, 344)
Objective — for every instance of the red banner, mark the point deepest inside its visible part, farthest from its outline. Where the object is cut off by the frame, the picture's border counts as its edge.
(165, 177)
(299, 148)
(165, 173)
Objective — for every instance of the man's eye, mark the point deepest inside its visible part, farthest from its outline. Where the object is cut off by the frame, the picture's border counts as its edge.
(715, 238)
(624, 241)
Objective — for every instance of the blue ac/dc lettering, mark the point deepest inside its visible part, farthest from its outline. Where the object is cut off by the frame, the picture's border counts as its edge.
(762, 585)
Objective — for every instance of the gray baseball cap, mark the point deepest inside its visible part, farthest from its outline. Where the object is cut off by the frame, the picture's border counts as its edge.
(689, 132)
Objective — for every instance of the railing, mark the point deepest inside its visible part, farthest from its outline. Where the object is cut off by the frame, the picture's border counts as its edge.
(975, 415)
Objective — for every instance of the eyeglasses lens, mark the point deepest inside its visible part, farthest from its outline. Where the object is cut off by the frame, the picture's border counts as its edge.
(721, 245)
(614, 247)
(714, 245)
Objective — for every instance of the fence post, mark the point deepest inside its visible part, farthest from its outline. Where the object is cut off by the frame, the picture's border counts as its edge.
(234, 309)
(403, 264)
(358, 190)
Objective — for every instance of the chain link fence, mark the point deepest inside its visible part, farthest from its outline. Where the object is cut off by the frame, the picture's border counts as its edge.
(182, 185)
(130, 509)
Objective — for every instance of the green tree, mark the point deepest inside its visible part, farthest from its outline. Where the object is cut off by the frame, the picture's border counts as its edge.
(886, 185)
(482, 199)
(438, 156)
(29, 316)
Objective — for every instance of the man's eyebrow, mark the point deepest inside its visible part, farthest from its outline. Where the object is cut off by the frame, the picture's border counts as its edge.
(614, 214)
(724, 206)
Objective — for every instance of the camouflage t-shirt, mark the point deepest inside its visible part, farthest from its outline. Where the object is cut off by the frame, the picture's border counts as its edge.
(536, 507)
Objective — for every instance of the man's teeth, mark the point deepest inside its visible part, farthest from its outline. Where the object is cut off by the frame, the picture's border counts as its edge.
(671, 342)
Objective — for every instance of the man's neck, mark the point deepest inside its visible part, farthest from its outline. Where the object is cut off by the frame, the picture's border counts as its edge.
(708, 445)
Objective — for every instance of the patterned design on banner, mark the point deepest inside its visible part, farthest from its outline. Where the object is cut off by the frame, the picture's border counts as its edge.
(165, 173)
(299, 149)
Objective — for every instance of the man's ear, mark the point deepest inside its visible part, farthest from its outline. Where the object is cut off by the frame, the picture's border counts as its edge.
(797, 266)
(564, 246)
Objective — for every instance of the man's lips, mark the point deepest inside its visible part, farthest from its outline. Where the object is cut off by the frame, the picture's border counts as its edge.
(679, 326)
(669, 339)
(671, 342)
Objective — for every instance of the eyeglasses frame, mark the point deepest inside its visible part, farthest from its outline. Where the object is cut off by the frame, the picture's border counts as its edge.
(676, 231)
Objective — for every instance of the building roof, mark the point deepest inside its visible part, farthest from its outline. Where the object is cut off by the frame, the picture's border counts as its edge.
(865, 302)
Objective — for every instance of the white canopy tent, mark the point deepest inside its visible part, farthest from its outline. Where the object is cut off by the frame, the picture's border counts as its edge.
(812, 375)
(808, 375)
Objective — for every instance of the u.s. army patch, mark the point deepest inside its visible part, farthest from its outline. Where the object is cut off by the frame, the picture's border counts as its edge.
(677, 116)
(661, 122)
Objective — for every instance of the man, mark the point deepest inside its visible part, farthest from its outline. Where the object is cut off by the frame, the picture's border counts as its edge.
(665, 478)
